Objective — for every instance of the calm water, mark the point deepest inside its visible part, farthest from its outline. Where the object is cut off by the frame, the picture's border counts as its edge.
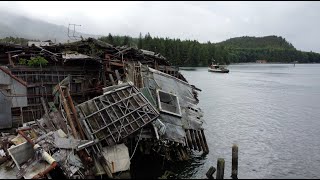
(272, 111)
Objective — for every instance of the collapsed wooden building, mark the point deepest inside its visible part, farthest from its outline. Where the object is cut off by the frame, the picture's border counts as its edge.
(100, 98)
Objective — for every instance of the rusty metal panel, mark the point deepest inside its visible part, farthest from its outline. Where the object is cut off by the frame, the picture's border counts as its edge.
(5, 112)
(119, 112)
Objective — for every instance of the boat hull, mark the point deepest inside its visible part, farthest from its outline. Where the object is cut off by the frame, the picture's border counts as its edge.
(218, 70)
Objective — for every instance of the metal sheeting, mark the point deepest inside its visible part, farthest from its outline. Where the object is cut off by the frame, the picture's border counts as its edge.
(5, 112)
(117, 157)
(21, 153)
(191, 115)
(168, 83)
(119, 112)
(174, 131)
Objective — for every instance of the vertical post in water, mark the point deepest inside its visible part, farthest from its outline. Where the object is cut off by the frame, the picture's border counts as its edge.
(210, 172)
(234, 172)
(220, 168)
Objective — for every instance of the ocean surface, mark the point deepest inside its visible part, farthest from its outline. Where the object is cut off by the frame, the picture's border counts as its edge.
(271, 111)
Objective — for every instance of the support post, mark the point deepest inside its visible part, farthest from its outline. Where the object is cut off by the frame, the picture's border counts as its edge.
(189, 139)
(204, 147)
(111, 79)
(205, 141)
(194, 142)
(44, 106)
(198, 140)
(220, 168)
(67, 110)
(10, 60)
(74, 112)
(234, 172)
(118, 75)
(210, 172)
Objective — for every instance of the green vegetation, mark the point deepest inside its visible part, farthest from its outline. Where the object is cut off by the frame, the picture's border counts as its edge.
(235, 50)
(268, 42)
(22, 61)
(16, 40)
(192, 53)
(34, 61)
(37, 61)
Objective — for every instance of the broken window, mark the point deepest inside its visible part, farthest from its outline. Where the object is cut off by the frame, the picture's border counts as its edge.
(168, 103)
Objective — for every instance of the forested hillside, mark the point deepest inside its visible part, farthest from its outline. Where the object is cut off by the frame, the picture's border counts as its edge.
(192, 53)
(267, 42)
(234, 50)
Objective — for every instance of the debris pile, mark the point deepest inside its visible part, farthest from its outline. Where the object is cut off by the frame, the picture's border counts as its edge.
(84, 110)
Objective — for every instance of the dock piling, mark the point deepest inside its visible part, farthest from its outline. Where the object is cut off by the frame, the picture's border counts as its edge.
(234, 172)
(210, 172)
(220, 168)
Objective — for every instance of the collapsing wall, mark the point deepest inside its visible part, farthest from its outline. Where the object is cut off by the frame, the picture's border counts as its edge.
(180, 122)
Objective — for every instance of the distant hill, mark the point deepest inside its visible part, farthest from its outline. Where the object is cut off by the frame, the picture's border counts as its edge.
(178, 52)
(235, 50)
(23, 27)
(267, 42)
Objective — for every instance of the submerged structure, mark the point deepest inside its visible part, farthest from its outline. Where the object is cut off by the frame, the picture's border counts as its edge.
(83, 109)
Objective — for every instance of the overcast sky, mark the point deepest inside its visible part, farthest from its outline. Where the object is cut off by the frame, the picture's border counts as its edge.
(298, 22)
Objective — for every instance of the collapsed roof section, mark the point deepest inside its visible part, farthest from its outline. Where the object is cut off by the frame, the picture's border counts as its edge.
(119, 112)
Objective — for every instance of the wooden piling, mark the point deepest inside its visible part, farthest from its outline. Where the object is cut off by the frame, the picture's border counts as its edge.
(186, 141)
(189, 139)
(220, 168)
(204, 148)
(194, 142)
(178, 153)
(198, 140)
(234, 172)
(210, 172)
(205, 141)
(183, 153)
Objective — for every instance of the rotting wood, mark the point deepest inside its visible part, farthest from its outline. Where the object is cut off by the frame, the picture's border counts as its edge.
(198, 140)
(67, 110)
(205, 150)
(234, 171)
(194, 141)
(111, 79)
(220, 168)
(74, 113)
(210, 172)
(118, 75)
(189, 139)
(205, 141)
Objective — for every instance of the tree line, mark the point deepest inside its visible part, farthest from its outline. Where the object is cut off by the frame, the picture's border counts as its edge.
(193, 53)
(235, 50)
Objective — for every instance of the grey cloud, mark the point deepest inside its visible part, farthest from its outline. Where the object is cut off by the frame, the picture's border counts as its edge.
(203, 21)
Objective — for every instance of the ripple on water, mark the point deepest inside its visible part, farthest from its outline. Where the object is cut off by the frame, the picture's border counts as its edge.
(270, 111)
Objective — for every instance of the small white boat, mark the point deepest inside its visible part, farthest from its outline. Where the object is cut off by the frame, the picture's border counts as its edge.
(218, 68)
